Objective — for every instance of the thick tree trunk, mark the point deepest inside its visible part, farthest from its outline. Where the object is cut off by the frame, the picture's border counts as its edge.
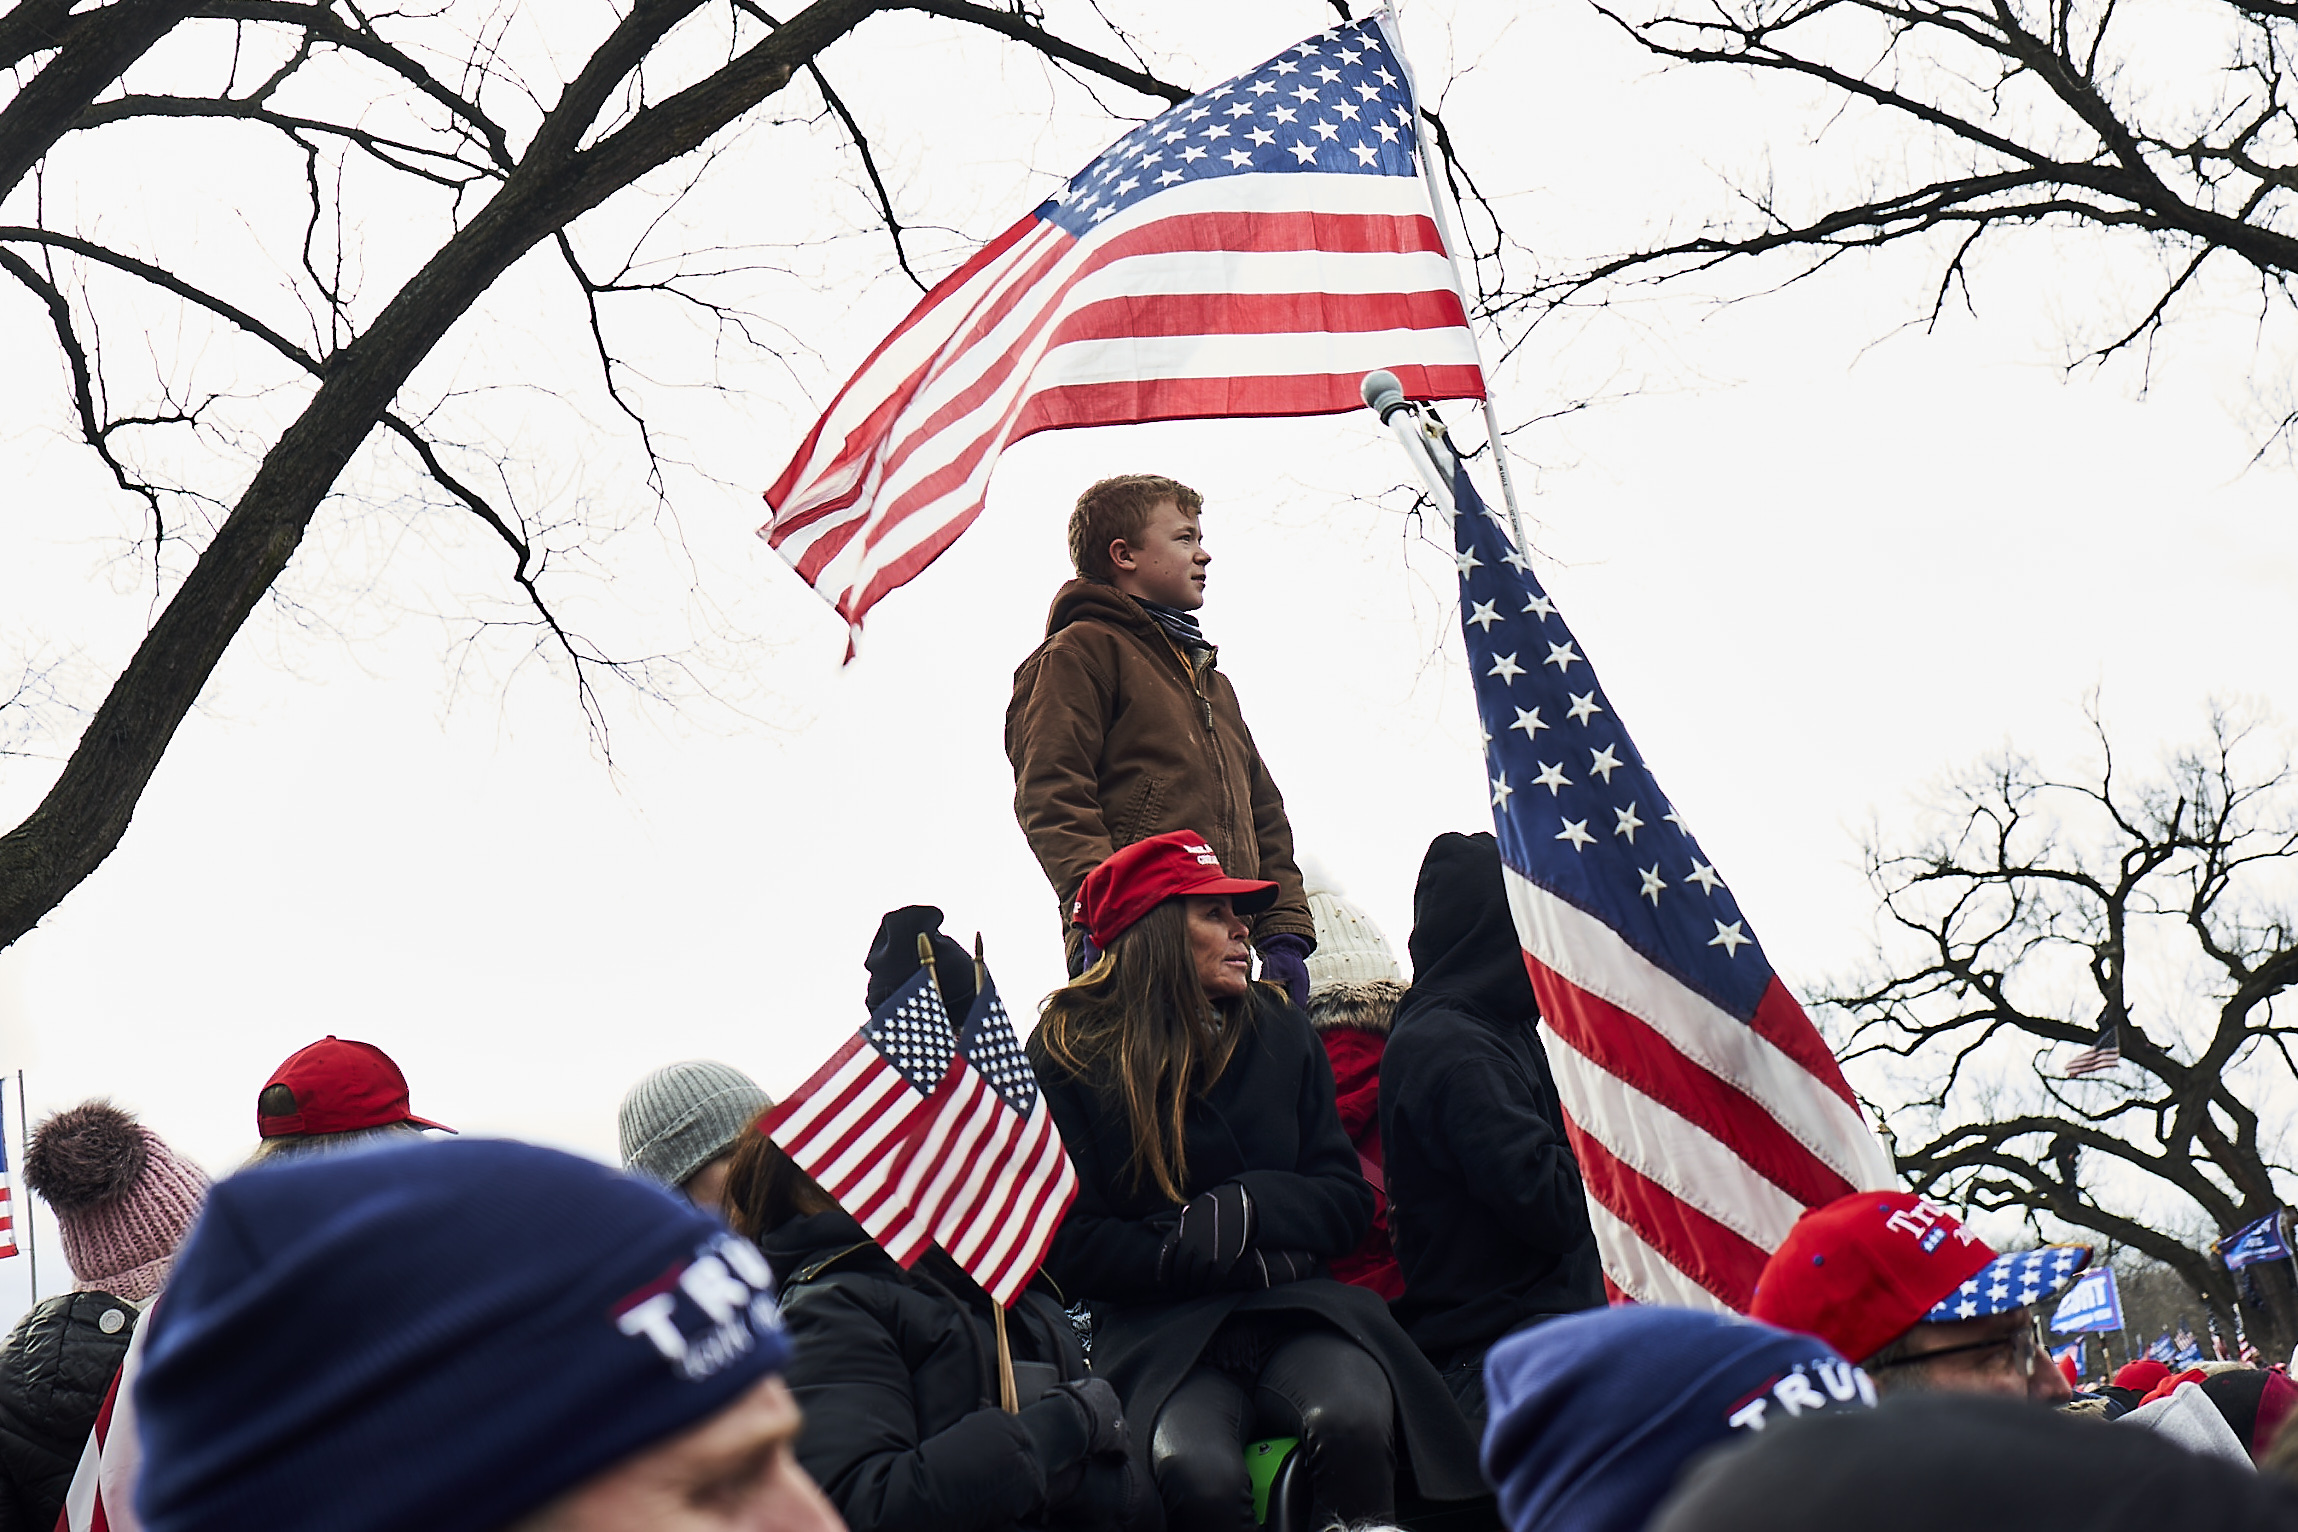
(93, 55)
(84, 814)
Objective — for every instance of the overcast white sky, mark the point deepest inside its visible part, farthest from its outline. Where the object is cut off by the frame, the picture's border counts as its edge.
(1817, 561)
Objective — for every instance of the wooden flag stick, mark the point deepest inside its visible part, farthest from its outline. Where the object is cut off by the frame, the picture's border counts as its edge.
(926, 961)
(1007, 1395)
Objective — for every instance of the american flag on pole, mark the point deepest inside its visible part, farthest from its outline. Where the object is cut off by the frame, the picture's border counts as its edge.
(1252, 251)
(2101, 1056)
(1705, 1109)
(851, 1125)
(993, 1178)
(7, 1192)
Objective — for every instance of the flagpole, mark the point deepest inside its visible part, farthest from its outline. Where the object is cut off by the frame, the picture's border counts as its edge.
(1008, 1394)
(1437, 198)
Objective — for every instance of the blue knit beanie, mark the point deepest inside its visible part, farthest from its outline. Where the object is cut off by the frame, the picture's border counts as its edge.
(444, 1336)
(1594, 1415)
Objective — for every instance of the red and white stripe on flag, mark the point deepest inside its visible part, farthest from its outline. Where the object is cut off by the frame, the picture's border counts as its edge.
(850, 1127)
(1253, 251)
(7, 1192)
(1704, 1107)
(102, 1497)
(992, 1177)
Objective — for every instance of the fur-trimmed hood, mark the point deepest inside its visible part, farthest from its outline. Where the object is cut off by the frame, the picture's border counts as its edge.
(1368, 1005)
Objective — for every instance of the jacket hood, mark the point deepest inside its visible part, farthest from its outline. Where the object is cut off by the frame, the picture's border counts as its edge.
(1464, 947)
(1102, 602)
(810, 1238)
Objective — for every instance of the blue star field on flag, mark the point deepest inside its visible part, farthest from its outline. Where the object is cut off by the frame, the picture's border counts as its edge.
(1335, 103)
(988, 1043)
(1577, 810)
(2019, 1280)
(912, 1031)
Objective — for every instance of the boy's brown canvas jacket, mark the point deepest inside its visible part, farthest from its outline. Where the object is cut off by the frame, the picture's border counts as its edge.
(1114, 737)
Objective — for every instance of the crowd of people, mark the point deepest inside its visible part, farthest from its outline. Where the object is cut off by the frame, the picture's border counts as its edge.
(1329, 1262)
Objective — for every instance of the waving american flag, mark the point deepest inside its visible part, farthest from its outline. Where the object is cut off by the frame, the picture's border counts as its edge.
(993, 1178)
(1252, 251)
(851, 1125)
(1706, 1111)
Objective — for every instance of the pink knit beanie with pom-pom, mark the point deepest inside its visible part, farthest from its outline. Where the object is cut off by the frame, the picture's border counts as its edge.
(122, 1199)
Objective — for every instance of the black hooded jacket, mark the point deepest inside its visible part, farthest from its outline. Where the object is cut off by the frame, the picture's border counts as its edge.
(57, 1368)
(1486, 1208)
(897, 1373)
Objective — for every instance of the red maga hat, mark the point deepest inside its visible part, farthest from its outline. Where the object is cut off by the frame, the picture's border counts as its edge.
(1134, 881)
(1865, 1269)
(339, 1087)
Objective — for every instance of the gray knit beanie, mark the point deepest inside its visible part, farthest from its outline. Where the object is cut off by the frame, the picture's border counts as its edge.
(683, 1116)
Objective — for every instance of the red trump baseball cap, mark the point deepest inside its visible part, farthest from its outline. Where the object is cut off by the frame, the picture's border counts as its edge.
(1137, 879)
(337, 1087)
(1865, 1269)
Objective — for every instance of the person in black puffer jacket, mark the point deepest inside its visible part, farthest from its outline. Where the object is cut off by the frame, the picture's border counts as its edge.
(1486, 1208)
(897, 1370)
(53, 1378)
(1215, 1182)
(897, 1373)
(123, 1203)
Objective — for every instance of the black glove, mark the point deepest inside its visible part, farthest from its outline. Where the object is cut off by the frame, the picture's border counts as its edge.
(1271, 1268)
(894, 957)
(1075, 1429)
(1215, 1230)
(1105, 1434)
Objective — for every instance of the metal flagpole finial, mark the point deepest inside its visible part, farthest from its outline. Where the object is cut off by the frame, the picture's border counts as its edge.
(1419, 430)
(933, 975)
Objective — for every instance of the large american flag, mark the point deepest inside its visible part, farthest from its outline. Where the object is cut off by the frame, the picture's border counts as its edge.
(1253, 251)
(1706, 1111)
(993, 1178)
(851, 1125)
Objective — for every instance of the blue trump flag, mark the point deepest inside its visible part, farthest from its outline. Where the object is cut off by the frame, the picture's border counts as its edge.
(2252, 1243)
(2092, 1304)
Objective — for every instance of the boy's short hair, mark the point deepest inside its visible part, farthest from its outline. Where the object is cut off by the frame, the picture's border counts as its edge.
(1119, 507)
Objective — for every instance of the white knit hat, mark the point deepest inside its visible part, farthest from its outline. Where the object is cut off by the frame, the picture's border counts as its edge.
(1350, 948)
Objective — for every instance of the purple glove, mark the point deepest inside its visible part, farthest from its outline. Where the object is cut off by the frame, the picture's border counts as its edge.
(1285, 961)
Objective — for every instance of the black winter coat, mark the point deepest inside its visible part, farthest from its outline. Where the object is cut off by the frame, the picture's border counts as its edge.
(897, 1373)
(54, 1374)
(1486, 1209)
(1269, 1122)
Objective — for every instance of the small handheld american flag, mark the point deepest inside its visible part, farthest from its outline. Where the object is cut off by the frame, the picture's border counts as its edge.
(851, 1125)
(1249, 252)
(993, 1176)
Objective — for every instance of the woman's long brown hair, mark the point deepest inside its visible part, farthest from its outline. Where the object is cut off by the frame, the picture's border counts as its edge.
(765, 1189)
(1137, 1026)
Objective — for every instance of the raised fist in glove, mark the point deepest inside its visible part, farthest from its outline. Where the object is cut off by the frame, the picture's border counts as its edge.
(1285, 962)
(894, 958)
(1215, 1230)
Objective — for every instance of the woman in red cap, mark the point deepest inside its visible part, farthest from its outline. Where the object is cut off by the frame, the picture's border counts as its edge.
(1215, 1182)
